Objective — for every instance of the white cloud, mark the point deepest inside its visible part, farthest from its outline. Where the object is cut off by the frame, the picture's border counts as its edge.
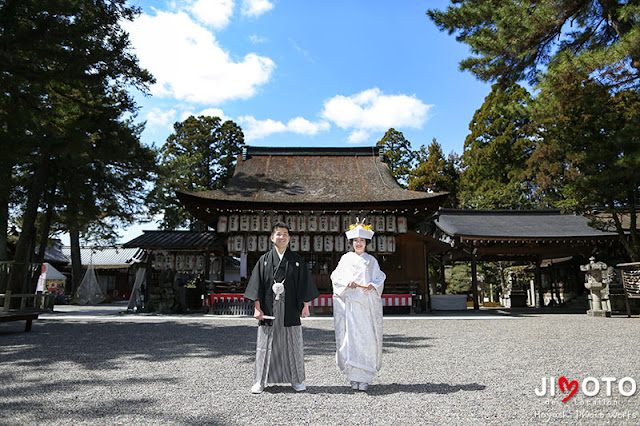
(258, 129)
(372, 111)
(255, 8)
(214, 13)
(158, 117)
(305, 127)
(358, 136)
(256, 39)
(188, 63)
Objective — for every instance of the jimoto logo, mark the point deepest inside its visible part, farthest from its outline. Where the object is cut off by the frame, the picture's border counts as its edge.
(590, 386)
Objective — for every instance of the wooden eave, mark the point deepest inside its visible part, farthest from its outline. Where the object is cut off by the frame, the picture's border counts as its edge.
(208, 210)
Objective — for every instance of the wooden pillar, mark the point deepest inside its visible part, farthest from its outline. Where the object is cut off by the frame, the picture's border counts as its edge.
(538, 279)
(555, 291)
(474, 281)
(427, 284)
(442, 282)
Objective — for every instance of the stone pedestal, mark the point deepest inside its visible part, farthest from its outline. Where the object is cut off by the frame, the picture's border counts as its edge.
(596, 279)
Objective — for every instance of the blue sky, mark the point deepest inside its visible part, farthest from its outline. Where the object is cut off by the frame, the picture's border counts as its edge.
(304, 73)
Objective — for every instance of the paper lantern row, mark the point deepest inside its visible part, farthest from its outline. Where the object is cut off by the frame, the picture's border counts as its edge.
(308, 223)
(183, 262)
(309, 243)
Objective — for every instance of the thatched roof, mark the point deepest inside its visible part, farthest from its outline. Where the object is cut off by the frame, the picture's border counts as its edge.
(312, 178)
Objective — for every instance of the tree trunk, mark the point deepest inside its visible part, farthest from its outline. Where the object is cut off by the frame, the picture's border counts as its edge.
(5, 189)
(76, 259)
(46, 226)
(19, 271)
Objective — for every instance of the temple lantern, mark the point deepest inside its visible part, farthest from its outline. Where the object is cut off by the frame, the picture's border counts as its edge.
(244, 223)
(291, 222)
(328, 243)
(189, 262)
(302, 223)
(263, 243)
(294, 243)
(200, 264)
(158, 262)
(402, 224)
(382, 243)
(266, 223)
(323, 223)
(180, 262)
(169, 262)
(339, 243)
(215, 264)
(391, 243)
(252, 243)
(346, 222)
(372, 244)
(222, 224)
(379, 224)
(391, 223)
(305, 243)
(238, 242)
(312, 224)
(256, 224)
(334, 223)
(234, 223)
(317, 243)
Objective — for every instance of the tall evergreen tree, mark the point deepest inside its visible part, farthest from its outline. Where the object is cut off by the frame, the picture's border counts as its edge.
(435, 173)
(585, 55)
(588, 155)
(200, 155)
(512, 40)
(62, 64)
(494, 161)
(398, 155)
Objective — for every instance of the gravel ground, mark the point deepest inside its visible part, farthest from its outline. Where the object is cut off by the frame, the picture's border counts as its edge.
(473, 368)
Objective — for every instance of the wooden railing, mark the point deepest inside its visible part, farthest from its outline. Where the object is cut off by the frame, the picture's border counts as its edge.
(38, 301)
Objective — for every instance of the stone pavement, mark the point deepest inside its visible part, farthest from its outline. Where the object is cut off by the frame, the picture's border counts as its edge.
(94, 365)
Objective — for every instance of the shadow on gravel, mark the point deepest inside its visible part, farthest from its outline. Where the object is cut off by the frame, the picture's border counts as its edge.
(399, 341)
(323, 342)
(103, 346)
(392, 388)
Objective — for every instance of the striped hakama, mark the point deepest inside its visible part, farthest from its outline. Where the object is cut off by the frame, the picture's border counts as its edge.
(279, 351)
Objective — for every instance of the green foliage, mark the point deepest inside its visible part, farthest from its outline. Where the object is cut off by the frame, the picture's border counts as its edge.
(494, 161)
(434, 172)
(585, 57)
(513, 40)
(398, 155)
(589, 150)
(459, 280)
(65, 70)
(200, 155)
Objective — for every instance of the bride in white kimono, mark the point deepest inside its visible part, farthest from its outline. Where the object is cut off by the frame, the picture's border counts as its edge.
(357, 310)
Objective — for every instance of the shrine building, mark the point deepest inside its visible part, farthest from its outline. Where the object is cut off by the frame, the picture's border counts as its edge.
(318, 193)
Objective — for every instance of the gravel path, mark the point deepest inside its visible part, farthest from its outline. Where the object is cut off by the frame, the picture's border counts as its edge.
(193, 370)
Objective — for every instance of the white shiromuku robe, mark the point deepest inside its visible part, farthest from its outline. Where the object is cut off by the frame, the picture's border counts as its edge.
(357, 316)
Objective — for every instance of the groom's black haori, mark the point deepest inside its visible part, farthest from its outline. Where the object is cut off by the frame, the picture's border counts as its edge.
(298, 284)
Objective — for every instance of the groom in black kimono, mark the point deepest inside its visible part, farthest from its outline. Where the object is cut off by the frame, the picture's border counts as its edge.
(281, 287)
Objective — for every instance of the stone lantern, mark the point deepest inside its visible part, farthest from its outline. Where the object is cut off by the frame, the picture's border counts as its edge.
(596, 276)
